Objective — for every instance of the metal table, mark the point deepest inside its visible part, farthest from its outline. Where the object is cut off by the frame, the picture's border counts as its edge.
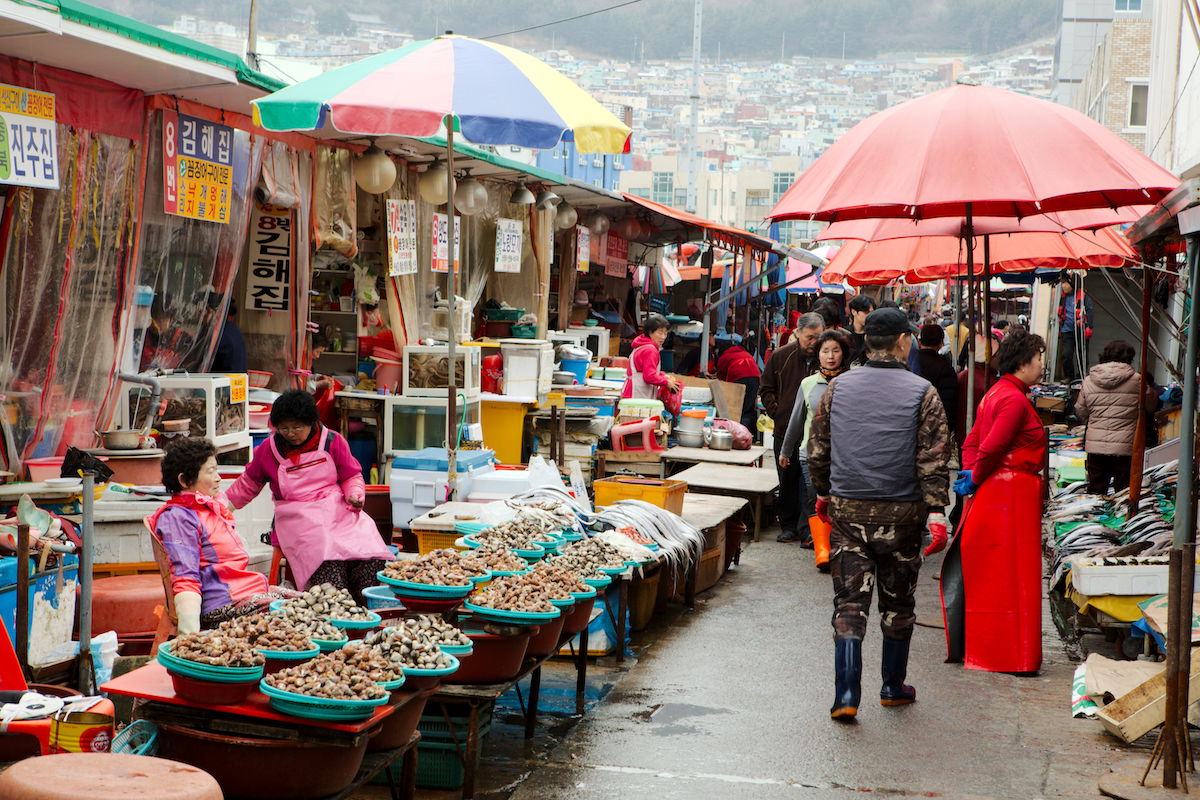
(752, 483)
(704, 455)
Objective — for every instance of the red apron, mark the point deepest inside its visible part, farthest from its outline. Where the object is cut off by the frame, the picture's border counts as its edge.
(992, 573)
(313, 521)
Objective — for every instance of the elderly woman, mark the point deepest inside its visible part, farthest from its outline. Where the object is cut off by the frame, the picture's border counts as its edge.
(210, 575)
(1108, 402)
(644, 376)
(992, 575)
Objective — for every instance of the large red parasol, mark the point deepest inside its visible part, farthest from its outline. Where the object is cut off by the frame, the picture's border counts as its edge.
(1005, 154)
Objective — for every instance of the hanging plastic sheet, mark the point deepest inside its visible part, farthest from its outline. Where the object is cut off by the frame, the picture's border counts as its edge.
(335, 202)
(67, 283)
(190, 264)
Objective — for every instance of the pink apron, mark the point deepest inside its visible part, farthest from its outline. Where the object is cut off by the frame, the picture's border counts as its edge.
(313, 521)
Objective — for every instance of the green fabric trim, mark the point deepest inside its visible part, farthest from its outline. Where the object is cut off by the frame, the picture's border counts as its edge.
(93, 17)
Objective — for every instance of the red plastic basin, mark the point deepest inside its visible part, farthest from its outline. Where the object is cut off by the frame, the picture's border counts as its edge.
(211, 692)
(545, 641)
(399, 726)
(579, 616)
(494, 659)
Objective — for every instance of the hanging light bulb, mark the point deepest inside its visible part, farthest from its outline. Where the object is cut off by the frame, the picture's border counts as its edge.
(547, 200)
(566, 216)
(521, 196)
(597, 223)
(374, 172)
(471, 196)
(432, 184)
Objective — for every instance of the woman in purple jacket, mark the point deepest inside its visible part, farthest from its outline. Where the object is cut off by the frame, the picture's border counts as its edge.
(319, 493)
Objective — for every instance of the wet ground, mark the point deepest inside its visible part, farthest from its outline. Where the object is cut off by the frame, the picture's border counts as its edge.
(731, 701)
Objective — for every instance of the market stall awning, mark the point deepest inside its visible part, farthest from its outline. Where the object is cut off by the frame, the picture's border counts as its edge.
(82, 38)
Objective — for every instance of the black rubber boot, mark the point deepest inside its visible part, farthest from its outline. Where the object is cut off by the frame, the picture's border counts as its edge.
(847, 681)
(895, 691)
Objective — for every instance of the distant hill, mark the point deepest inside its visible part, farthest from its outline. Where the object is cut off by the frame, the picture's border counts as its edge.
(663, 28)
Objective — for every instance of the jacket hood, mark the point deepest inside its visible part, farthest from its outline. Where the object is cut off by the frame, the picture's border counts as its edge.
(642, 339)
(1110, 374)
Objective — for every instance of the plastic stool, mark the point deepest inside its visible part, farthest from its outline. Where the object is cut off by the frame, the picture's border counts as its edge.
(105, 776)
(647, 428)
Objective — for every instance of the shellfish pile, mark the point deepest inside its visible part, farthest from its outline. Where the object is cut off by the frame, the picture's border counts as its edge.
(329, 602)
(514, 593)
(439, 567)
(497, 558)
(327, 677)
(559, 581)
(400, 647)
(216, 648)
(361, 656)
(431, 628)
(267, 632)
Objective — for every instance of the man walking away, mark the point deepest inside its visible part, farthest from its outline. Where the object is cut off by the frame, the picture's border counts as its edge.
(936, 368)
(879, 457)
(787, 366)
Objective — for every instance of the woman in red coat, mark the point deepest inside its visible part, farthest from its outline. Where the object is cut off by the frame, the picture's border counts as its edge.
(992, 574)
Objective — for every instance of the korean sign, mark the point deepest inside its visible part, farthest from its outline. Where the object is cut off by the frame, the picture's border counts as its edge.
(441, 242)
(616, 252)
(28, 138)
(508, 245)
(269, 251)
(583, 248)
(402, 237)
(197, 167)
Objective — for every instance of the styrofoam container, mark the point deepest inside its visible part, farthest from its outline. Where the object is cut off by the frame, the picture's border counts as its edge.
(1134, 579)
(696, 395)
(419, 480)
(499, 484)
(528, 366)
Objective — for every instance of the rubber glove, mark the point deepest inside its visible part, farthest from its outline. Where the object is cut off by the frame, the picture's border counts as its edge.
(965, 484)
(187, 609)
(939, 529)
(355, 501)
(822, 508)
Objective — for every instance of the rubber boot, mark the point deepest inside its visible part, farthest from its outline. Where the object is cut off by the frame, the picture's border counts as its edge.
(895, 691)
(847, 679)
(820, 537)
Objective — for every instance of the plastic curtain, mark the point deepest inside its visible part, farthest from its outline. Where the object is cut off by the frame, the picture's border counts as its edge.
(334, 202)
(189, 264)
(67, 284)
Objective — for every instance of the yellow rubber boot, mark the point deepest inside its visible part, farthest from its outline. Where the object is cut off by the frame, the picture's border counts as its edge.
(820, 535)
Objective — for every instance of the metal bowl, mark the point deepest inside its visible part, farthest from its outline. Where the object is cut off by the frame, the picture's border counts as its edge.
(720, 440)
(121, 440)
(689, 438)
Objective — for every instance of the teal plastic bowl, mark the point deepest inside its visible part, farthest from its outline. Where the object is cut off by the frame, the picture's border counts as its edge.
(319, 702)
(357, 624)
(457, 649)
(392, 686)
(612, 570)
(327, 645)
(584, 595)
(570, 535)
(433, 673)
(320, 713)
(468, 528)
(503, 573)
(598, 583)
(206, 672)
(478, 579)
(528, 555)
(499, 615)
(424, 589)
(289, 655)
(564, 604)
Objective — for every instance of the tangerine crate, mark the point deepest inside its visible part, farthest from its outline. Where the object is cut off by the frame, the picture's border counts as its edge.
(664, 493)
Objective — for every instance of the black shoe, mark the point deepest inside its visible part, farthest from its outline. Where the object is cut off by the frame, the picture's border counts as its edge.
(847, 680)
(895, 691)
(788, 536)
(806, 542)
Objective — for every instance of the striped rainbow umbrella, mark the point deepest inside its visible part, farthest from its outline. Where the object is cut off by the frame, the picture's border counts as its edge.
(496, 95)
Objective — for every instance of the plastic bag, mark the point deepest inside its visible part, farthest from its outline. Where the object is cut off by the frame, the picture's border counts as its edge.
(742, 440)
(544, 473)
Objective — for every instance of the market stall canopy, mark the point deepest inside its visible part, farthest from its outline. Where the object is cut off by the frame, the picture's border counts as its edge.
(75, 36)
(931, 257)
(497, 95)
(973, 149)
(808, 281)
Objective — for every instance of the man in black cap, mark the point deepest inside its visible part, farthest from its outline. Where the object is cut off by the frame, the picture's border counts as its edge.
(880, 456)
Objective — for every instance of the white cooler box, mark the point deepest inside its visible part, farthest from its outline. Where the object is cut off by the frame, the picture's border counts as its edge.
(498, 484)
(419, 480)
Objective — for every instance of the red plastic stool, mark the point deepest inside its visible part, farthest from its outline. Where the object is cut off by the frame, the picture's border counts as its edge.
(125, 604)
(646, 428)
(106, 776)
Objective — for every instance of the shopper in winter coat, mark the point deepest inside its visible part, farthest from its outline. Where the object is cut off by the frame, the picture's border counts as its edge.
(936, 368)
(1108, 402)
(644, 378)
(735, 364)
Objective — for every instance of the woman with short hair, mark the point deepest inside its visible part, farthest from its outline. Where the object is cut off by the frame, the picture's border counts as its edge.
(644, 378)
(992, 574)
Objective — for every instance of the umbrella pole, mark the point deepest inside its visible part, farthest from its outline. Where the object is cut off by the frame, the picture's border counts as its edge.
(987, 302)
(706, 260)
(969, 232)
(451, 327)
(1138, 461)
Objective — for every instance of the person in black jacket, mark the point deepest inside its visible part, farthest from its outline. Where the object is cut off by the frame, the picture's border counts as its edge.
(936, 368)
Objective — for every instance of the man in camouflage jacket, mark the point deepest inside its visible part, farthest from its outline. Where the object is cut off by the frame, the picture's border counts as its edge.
(880, 455)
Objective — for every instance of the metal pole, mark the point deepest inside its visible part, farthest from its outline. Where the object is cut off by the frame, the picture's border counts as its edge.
(1137, 463)
(693, 162)
(252, 37)
(987, 303)
(969, 232)
(451, 326)
(22, 611)
(706, 261)
(87, 538)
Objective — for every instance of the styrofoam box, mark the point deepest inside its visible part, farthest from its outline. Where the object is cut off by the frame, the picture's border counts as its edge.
(1138, 579)
(415, 491)
(528, 366)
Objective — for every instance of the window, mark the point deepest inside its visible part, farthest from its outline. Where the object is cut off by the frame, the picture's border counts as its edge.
(662, 187)
(781, 182)
(1129, 5)
(680, 198)
(1137, 104)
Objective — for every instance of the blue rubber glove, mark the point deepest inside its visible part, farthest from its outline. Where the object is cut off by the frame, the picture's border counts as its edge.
(965, 485)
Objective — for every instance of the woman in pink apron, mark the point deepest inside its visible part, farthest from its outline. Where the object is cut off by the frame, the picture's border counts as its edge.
(644, 376)
(319, 493)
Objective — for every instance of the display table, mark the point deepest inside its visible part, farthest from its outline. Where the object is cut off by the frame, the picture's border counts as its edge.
(752, 483)
(704, 455)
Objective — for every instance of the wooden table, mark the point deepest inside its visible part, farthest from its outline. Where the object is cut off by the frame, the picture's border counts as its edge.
(704, 455)
(752, 483)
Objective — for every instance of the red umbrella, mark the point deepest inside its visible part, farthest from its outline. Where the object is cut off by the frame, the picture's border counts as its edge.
(973, 150)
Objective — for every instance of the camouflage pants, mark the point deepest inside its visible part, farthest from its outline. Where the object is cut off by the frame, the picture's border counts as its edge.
(863, 555)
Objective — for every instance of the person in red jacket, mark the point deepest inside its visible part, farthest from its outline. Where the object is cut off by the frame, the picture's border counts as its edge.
(644, 378)
(737, 365)
(992, 575)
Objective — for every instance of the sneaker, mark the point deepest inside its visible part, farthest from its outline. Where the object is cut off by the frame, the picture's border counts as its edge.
(788, 536)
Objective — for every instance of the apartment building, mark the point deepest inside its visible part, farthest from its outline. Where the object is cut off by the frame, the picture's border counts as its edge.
(1115, 88)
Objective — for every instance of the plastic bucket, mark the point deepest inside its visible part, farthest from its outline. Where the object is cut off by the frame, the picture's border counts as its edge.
(81, 732)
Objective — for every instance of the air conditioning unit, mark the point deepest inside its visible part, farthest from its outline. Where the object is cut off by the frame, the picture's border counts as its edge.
(618, 165)
(597, 162)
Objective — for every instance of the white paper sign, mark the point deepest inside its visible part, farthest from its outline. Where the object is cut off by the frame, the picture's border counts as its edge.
(508, 245)
(402, 237)
(441, 242)
(583, 248)
(28, 138)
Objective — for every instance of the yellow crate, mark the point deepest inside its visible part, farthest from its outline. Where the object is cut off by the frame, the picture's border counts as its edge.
(664, 493)
(428, 541)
